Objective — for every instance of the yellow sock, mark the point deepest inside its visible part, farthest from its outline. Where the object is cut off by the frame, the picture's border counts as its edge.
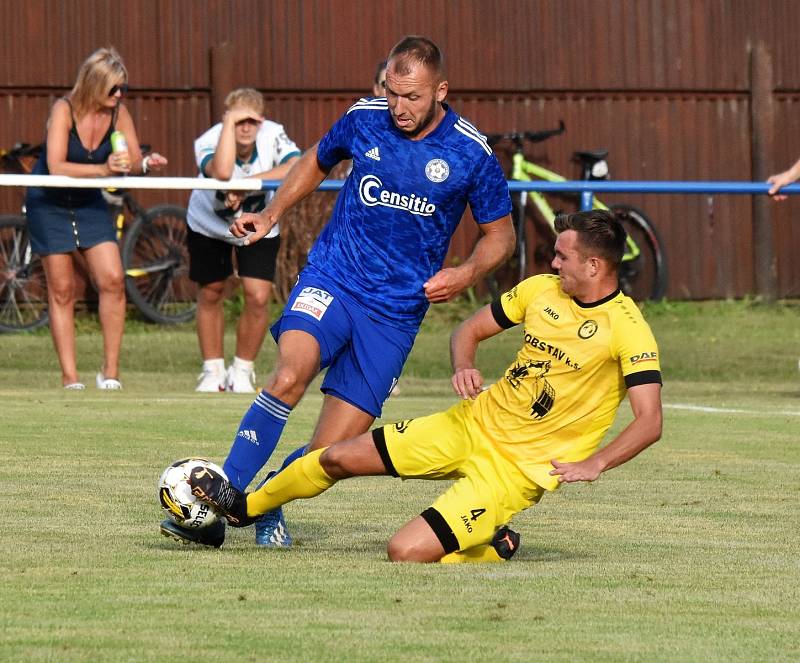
(485, 553)
(301, 479)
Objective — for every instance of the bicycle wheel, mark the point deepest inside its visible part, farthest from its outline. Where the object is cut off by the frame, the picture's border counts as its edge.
(23, 288)
(642, 276)
(156, 263)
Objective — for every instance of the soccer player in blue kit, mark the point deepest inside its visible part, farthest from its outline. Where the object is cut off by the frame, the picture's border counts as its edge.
(375, 268)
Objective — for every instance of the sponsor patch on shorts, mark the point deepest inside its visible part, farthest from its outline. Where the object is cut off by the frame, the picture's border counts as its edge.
(313, 301)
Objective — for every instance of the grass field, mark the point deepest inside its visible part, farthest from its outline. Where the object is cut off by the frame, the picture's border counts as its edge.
(690, 552)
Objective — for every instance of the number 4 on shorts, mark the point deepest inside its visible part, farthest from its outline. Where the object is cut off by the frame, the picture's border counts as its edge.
(476, 512)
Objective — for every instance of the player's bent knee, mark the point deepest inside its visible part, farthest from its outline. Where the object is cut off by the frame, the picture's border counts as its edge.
(286, 385)
(334, 460)
(403, 549)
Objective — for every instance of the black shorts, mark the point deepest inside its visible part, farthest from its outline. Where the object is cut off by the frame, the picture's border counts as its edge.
(211, 260)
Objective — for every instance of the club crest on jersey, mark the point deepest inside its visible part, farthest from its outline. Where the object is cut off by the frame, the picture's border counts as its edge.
(372, 193)
(437, 170)
(587, 329)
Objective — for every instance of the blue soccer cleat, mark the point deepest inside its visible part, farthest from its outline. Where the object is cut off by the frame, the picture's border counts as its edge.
(271, 530)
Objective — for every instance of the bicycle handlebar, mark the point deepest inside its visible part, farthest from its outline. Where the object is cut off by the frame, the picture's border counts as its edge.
(28, 150)
(517, 137)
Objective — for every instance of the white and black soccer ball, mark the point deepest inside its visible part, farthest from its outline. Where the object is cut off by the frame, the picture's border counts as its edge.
(175, 494)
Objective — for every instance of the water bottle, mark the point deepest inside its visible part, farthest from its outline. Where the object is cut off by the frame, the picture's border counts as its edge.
(118, 142)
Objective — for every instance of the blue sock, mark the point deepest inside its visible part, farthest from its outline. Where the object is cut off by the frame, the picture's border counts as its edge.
(297, 453)
(256, 439)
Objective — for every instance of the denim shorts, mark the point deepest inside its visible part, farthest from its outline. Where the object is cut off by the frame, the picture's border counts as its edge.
(61, 228)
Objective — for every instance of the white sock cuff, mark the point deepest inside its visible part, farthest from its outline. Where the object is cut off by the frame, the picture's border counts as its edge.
(216, 365)
(243, 363)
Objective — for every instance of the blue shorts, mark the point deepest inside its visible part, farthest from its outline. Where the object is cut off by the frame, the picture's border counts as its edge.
(364, 356)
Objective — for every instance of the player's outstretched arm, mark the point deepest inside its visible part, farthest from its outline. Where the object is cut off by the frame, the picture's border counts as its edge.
(467, 380)
(495, 245)
(303, 178)
(644, 430)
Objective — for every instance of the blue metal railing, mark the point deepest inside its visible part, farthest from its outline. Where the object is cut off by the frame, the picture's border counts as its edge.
(610, 186)
(574, 186)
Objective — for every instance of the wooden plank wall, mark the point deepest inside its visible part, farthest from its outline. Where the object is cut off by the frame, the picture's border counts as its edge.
(665, 84)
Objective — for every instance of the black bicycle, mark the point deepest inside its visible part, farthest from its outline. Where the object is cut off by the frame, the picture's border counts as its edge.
(153, 248)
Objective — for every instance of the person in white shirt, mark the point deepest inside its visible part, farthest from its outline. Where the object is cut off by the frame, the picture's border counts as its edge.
(244, 144)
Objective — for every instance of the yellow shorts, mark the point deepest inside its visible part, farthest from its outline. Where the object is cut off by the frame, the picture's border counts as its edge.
(488, 490)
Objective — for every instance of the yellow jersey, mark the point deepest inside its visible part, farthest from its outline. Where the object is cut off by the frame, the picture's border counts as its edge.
(561, 394)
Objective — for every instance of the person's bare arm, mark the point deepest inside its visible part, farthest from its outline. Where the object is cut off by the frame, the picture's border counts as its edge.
(304, 177)
(495, 246)
(782, 179)
(220, 166)
(280, 171)
(467, 380)
(154, 161)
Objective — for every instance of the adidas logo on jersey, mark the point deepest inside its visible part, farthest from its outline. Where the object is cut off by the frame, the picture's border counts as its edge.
(249, 435)
(373, 154)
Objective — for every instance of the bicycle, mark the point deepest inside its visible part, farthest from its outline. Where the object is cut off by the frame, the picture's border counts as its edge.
(155, 259)
(153, 249)
(643, 272)
(23, 287)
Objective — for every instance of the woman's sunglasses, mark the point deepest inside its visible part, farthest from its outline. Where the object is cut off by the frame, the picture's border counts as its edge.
(118, 88)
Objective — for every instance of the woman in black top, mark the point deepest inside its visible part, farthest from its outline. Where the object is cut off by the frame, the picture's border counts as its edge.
(62, 221)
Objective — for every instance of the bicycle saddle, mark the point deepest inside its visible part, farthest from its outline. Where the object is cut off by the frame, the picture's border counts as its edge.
(591, 157)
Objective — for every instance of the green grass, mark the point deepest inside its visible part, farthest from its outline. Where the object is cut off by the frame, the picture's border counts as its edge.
(689, 552)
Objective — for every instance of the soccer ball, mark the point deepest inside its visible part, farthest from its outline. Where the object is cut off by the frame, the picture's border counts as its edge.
(175, 494)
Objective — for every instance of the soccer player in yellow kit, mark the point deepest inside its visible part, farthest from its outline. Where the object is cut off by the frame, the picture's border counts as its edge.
(584, 346)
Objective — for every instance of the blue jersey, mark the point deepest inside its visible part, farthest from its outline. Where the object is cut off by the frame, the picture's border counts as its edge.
(400, 205)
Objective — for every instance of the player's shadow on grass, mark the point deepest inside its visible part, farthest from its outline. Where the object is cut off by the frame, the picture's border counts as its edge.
(540, 555)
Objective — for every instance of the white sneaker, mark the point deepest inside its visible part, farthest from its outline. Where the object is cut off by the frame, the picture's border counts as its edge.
(240, 380)
(211, 380)
(107, 384)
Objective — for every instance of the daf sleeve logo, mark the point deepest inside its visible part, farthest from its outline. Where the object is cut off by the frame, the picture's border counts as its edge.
(644, 356)
(437, 170)
(587, 329)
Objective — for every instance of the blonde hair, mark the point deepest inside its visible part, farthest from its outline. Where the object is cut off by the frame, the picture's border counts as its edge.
(245, 96)
(97, 75)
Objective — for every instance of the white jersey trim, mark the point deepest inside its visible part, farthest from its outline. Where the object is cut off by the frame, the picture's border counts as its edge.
(366, 103)
(471, 132)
